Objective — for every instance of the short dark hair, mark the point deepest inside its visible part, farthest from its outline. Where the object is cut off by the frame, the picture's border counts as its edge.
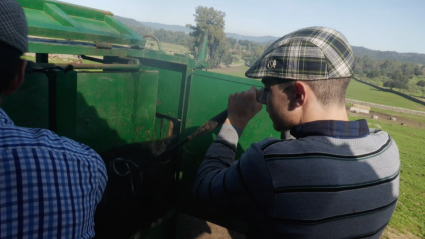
(328, 92)
(9, 65)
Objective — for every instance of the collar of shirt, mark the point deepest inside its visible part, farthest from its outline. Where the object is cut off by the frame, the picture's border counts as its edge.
(332, 128)
(4, 119)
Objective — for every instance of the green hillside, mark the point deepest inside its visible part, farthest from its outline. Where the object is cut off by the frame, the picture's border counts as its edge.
(409, 215)
(238, 71)
(388, 55)
(359, 91)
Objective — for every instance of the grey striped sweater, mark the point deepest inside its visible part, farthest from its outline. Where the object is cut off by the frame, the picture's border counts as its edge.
(327, 184)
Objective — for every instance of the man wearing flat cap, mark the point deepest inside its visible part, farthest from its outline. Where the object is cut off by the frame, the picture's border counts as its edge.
(332, 178)
(49, 185)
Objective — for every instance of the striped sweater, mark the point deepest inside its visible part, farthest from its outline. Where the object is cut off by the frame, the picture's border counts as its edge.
(336, 179)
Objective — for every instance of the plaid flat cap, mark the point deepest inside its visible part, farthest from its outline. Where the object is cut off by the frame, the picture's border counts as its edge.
(13, 25)
(314, 53)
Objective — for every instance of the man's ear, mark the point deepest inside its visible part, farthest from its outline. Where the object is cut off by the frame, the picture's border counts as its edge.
(300, 90)
(18, 80)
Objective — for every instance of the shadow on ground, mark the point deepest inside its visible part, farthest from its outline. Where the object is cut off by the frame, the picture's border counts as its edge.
(408, 97)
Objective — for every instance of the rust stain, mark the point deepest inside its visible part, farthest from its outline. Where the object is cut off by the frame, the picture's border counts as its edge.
(170, 129)
(147, 135)
(158, 102)
(137, 129)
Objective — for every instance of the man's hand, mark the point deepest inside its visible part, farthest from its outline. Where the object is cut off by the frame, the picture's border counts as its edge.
(242, 108)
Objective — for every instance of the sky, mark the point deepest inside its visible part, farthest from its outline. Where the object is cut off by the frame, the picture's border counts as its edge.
(386, 25)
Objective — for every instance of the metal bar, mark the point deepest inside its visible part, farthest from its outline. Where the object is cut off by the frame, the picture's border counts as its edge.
(202, 53)
(52, 76)
(92, 66)
(156, 39)
(170, 129)
(133, 64)
(70, 43)
(41, 58)
(92, 59)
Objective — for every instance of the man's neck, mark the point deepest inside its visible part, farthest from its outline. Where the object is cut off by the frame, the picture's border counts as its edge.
(328, 113)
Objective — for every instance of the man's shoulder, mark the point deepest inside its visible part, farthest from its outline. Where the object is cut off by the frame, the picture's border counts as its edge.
(322, 144)
(14, 137)
(269, 141)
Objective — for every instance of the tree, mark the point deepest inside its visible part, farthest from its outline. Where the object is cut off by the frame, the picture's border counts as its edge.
(231, 42)
(211, 20)
(374, 74)
(418, 71)
(395, 84)
(421, 83)
(400, 79)
(390, 84)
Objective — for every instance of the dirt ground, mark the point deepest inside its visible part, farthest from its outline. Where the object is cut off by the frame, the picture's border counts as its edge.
(391, 233)
(194, 228)
(386, 118)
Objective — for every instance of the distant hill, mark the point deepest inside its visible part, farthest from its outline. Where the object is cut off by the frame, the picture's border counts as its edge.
(390, 55)
(131, 22)
(175, 28)
(263, 39)
(358, 51)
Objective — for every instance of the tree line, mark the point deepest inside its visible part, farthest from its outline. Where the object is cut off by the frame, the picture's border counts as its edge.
(221, 50)
(394, 74)
(172, 37)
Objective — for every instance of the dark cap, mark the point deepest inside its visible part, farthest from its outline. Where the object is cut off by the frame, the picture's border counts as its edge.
(13, 25)
(314, 53)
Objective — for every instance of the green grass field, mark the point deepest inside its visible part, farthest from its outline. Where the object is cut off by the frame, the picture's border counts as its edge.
(414, 90)
(238, 71)
(168, 47)
(359, 91)
(409, 215)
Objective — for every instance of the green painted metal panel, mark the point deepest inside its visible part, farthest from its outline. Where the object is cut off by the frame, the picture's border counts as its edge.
(94, 25)
(172, 79)
(39, 17)
(28, 107)
(117, 25)
(77, 10)
(114, 109)
(59, 20)
(208, 96)
(57, 14)
(65, 101)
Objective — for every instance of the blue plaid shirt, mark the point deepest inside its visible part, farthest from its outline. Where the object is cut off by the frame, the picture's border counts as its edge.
(49, 185)
(332, 128)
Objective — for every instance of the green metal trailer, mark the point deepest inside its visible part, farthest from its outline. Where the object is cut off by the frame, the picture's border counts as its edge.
(128, 95)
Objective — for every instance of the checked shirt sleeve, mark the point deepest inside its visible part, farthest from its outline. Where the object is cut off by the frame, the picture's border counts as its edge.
(221, 182)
